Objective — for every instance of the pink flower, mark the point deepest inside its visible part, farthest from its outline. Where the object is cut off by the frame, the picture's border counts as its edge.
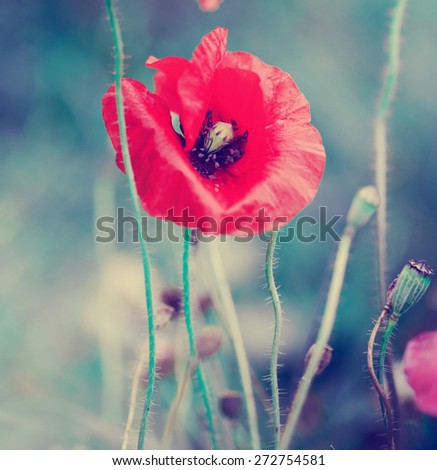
(420, 367)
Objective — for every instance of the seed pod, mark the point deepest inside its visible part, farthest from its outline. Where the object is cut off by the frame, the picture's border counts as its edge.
(231, 404)
(363, 207)
(324, 360)
(412, 282)
(209, 341)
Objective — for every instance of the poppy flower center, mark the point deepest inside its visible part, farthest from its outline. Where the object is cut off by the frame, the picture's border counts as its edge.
(217, 146)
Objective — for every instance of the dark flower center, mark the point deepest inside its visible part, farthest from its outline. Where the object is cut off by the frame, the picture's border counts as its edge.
(217, 147)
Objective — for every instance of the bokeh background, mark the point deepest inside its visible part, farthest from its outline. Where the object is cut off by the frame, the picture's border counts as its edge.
(72, 318)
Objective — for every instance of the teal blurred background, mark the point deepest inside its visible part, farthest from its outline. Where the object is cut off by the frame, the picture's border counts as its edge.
(72, 315)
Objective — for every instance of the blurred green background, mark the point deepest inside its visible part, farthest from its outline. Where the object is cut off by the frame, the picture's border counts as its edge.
(72, 313)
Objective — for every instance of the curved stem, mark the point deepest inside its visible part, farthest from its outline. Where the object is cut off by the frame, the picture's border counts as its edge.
(118, 56)
(324, 334)
(133, 396)
(381, 364)
(276, 336)
(182, 387)
(200, 373)
(380, 137)
(383, 399)
(228, 308)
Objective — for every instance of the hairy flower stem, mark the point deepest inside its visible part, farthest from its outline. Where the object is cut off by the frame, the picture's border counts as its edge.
(276, 336)
(392, 322)
(118, 57)
(227, 306)
(380, 137)
(383, 398)
(323, 336)
(200, 373)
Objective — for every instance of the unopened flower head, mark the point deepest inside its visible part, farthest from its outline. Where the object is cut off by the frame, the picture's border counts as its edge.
(409, 287)
(209, 341)
(231, 404)
(363, 207)
(171, 297)
(325, 360)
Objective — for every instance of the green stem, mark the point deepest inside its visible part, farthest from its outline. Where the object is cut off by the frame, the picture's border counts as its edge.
(383, 399)
(380, 137)
(324, 334)
(276, 336)
(118, 56)
(200, 373)
(392, 322)
(228, 308)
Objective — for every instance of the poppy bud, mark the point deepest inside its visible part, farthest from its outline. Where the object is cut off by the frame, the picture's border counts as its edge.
(231, 404)
(209, 341)
(209, 5)
(205, 303)
(363, 207)
(220, 135)
(172, 297)
(411, 284)
(324, 360)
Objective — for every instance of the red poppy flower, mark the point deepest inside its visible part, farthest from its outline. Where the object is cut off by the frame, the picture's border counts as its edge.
(209, 5)
(246, 159)
(420, 367)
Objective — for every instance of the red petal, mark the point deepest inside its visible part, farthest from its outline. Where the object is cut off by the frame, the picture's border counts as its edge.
(420, 367)
(166, 182)
(194, 86)
(166, 79)
(282, 97)
(281, 187)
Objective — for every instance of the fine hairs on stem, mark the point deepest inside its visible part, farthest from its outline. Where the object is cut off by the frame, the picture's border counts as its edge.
(324, 334)
(227, 306)
(200, 374)
(380, 137)
(118, 57)
(276, 336)
(383, 399)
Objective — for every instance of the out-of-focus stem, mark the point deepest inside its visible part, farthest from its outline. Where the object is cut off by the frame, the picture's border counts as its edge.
(324, 334)
(133, 395)
(228, 308)
(380, 137)
(182, 387)
(200, 374)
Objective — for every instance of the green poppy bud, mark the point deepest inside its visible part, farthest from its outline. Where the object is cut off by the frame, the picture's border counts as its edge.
(363, 207)
(409, 287)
